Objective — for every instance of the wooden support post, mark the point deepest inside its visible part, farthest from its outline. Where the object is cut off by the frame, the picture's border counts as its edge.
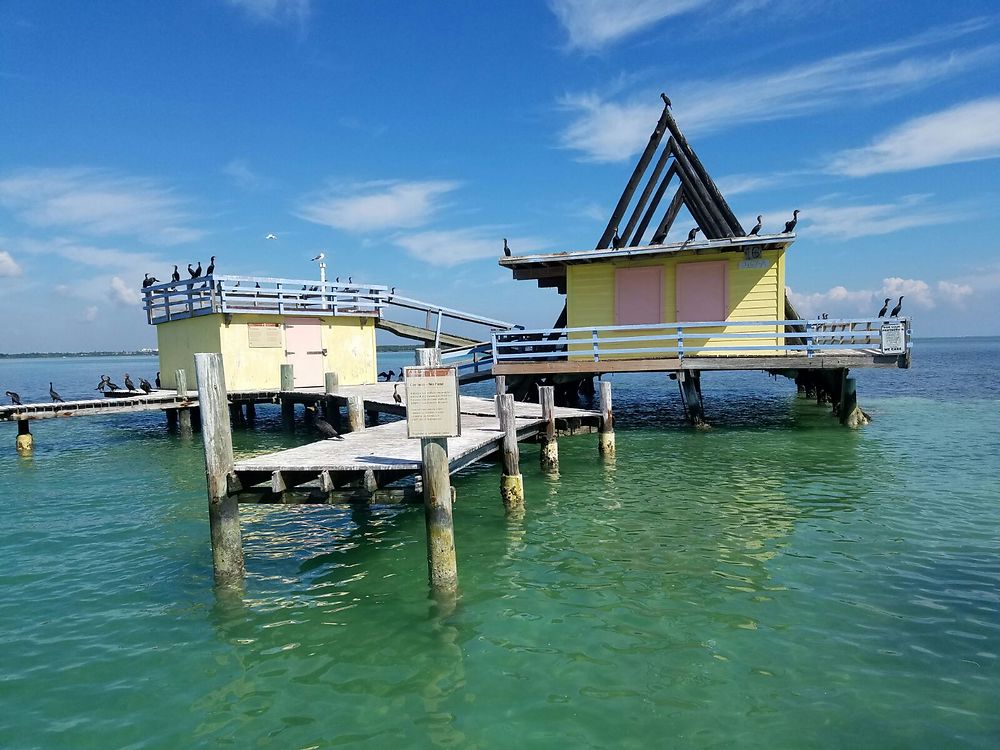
(287, 384)
(850, 413)
(549, 455)
(606, 427)
(251, 412)
(372, 417)
(501, 381)
(184, 413)
(442, 567)
(355, 413)
(331, 382)
(689, 382)
(24, 442)
(236, 415)
(223, 510)
(171, 419)
(511, 482)
(369, 483)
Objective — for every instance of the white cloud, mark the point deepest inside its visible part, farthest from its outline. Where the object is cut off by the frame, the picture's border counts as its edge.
(8, 266)
(592, 24)
(915, 290)
(90, 313)
(274, 10)
(378, 205)
(967, 132)
(605, 129)
(954, 292)
(839, 301)
(451, 247)
(98, 202)
(242, 175)
(872, 219)
(122, 293)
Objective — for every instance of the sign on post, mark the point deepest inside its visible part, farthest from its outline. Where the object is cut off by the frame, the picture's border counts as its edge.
(432, 405)
(893, 338)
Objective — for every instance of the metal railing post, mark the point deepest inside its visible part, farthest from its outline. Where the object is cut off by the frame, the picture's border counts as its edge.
(597, 356)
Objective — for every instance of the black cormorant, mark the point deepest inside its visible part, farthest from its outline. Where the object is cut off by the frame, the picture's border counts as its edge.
(323, 427)
(757, 227)
(616, 240)
(105, 379)
(885, 308)
(129, 385)
(14, 398)
(211, 267)
(897, 308)
(666, 100)
(395, 394)
(145, 386)
(112, 386)
(55, 396)
(157, 381)
(790, 225)
(506, 249)
(692, 233)
(175, 276)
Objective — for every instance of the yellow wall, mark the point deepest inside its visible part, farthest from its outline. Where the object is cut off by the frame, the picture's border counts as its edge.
(349, 341)
(753, 294)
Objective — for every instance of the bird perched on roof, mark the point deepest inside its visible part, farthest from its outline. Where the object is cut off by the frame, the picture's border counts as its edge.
(666, 100)
(145, 386)
(790, 225)
(55, 396)
(14, 398)
(271, 237)
(692, 233)
(616, 240)
(885, 308)
(897, 308)
(506, 248)
(211, 267)
(175, 276)
(129, 385)
(195, 272)
(395, 394)
(757, 227)
(321, 256)
(323, 427)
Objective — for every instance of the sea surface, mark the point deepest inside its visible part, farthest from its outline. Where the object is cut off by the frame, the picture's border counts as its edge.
(775, 582)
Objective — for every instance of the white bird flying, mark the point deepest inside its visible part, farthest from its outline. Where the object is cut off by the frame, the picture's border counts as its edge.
(271, 237)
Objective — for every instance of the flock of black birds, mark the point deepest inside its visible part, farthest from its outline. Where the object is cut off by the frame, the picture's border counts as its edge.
(195, 272)
(105, 386)
(388, 376)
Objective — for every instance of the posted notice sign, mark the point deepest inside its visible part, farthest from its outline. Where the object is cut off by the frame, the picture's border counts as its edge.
(893, 338)
(432, 406)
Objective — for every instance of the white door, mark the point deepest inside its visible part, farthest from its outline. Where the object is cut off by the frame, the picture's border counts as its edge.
(304, 351)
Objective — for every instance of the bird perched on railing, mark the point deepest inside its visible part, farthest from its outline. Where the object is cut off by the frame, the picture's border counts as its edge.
(790, 225)
(323, 427)
(211, 267)
(885, 308)
(14, 398)
(897, 308)
(149, 281)
(175, 276)
(129, 385)
(506, 247)
(112, 386)
(195, 272)
(145, 386)
(55, 396)
(105, 381)
(395, 394)
(757, 227)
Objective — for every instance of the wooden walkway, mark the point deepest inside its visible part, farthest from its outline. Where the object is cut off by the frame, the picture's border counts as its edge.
(380, 455)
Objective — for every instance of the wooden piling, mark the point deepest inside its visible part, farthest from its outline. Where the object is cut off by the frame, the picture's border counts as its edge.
(549, 454)
(501, 383)
(850, 413)
(372, 417)
(251, 412)
(171, 419)
(24, 442)
(511, 482)
(355, 413)
(689, 382)
(183, 414)
(331, 382)
(223, 510)
(287, 384)
(606, 426)
(442, 567)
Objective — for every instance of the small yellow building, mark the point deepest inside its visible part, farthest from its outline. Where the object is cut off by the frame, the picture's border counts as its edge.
(259, 324)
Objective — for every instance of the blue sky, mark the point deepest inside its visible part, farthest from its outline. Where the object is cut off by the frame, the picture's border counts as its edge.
(407, 139)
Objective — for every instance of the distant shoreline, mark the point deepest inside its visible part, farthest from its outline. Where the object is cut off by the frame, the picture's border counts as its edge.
(146, 353)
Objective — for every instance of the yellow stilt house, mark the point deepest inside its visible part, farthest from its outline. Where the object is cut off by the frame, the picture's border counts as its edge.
(259, 324)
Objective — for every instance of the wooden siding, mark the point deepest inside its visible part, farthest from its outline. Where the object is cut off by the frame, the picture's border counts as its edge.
(753, 294)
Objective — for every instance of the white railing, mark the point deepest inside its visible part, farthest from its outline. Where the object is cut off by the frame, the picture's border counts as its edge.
(472, 362)
(732, 338)
(188, 298)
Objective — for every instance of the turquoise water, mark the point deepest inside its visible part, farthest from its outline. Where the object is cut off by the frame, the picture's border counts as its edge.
(778, 581)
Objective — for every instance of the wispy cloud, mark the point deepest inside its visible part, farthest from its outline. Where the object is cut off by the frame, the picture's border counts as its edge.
(967, 132)
(608, 129)
(372, 206)
(90, 313)
(592, 24)
(8, 266)
(451, 247)
(828, 219)
(98, 202)
(121, 293)
(274, 10)
(243, 175)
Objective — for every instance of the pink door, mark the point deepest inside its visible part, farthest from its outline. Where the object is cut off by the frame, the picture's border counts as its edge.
(304, 351)
(701, 291)
(638, 296)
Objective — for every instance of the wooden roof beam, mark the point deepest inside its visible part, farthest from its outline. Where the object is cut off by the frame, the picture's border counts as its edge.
(714, 226)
